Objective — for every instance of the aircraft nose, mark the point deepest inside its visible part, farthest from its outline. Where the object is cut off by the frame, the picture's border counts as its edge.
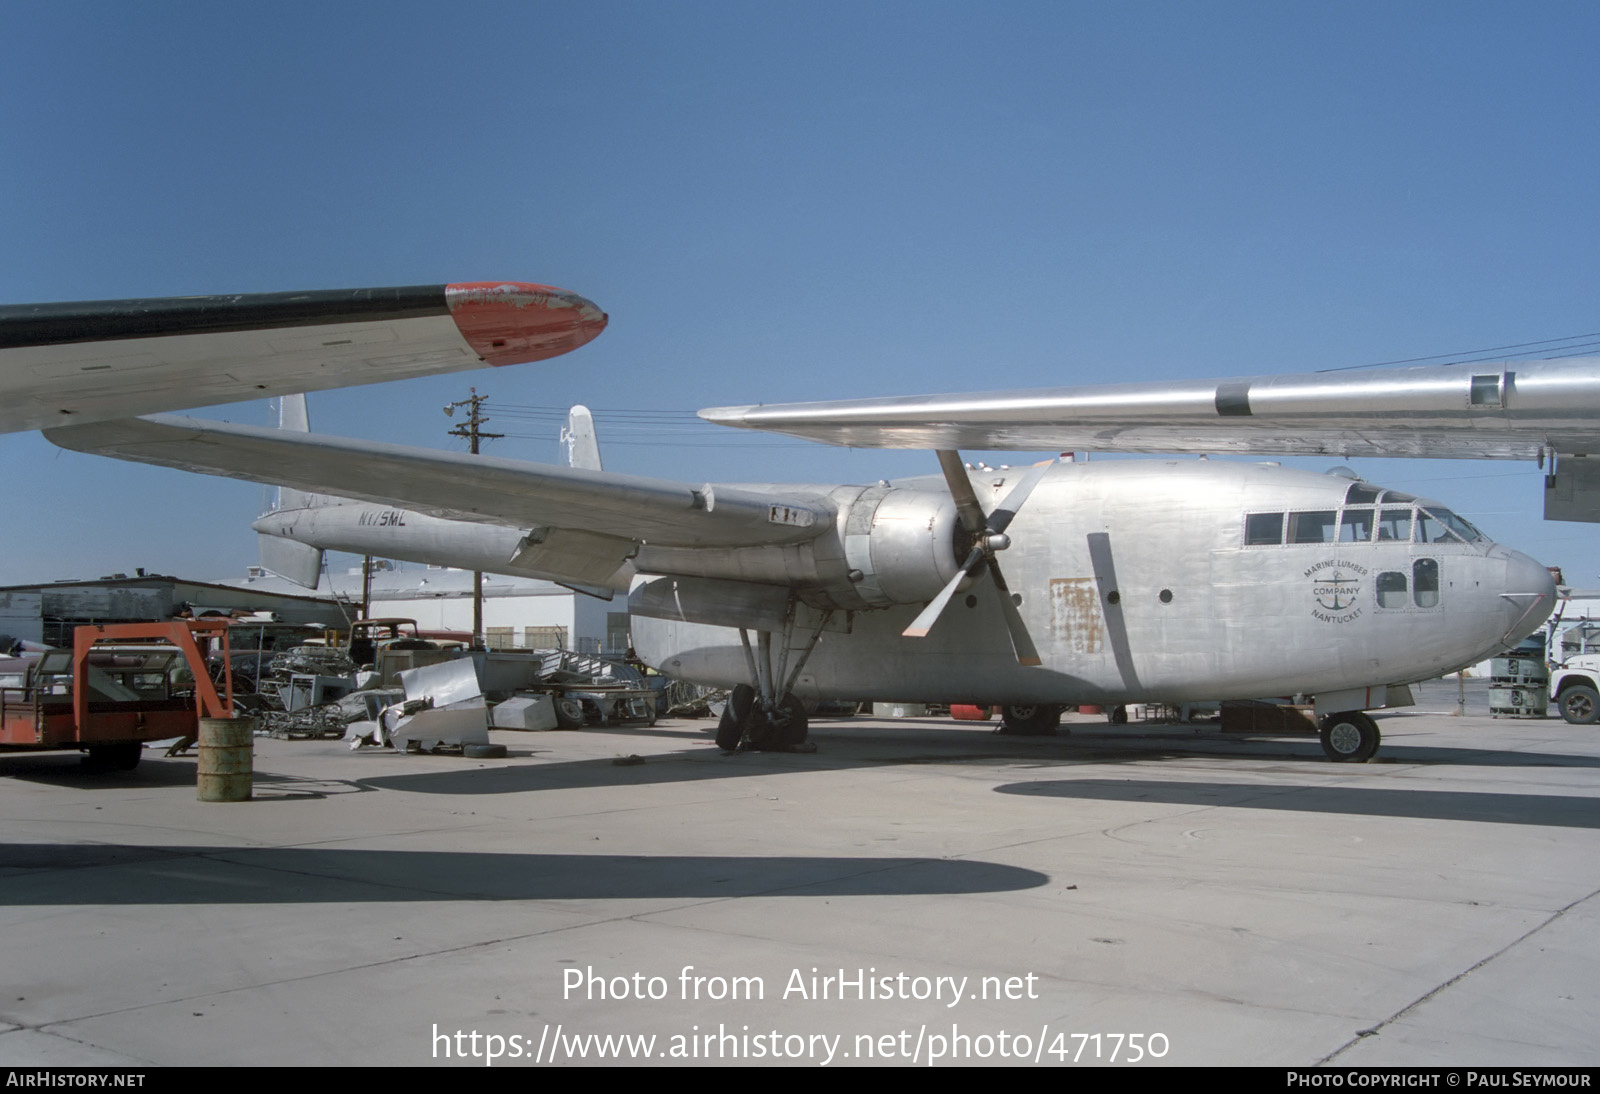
(1529, 596)
(512, 322)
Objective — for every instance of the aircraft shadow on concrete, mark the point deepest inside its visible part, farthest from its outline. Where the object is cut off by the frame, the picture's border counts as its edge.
(1554, 810)
(101, 874)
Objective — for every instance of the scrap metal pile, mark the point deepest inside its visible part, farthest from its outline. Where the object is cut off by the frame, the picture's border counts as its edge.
(448, 697)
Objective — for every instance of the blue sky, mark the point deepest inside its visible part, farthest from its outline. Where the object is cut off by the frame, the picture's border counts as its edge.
(781, 201)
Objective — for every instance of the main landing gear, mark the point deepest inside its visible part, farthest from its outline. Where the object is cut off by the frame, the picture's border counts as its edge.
(1030, 719)
(1349, 737)
(764, 715)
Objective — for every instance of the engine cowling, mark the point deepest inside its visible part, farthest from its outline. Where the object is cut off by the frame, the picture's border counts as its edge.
(901, 545)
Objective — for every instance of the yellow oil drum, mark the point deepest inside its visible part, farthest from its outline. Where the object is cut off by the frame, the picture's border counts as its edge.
(226, 759)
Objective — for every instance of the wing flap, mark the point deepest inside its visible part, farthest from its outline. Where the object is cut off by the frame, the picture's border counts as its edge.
(459, 486)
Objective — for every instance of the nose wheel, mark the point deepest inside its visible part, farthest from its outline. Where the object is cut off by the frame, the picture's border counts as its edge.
(1350, 737)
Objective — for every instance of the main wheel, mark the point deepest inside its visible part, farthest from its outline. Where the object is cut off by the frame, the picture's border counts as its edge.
(1580, 705)
(1030, 719)
(1349, 737)
(790, 725)
(730, 730)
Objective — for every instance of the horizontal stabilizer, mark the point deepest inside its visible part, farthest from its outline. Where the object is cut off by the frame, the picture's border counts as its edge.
(300, 563)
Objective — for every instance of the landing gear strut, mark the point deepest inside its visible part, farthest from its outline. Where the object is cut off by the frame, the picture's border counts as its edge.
(767, 716)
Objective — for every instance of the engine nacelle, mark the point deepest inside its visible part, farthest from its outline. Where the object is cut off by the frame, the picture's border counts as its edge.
(901, 546)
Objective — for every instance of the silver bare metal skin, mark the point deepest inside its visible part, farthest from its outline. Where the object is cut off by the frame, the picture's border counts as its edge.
(1133, 579)
(1521, 410)
(1510, 412)
(1240, 622)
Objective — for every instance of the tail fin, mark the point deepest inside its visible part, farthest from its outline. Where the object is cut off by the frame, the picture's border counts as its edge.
(294, 416)
(578, 439)
(298, 562)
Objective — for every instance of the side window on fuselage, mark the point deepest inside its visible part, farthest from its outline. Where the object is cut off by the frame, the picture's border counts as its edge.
(1392, 591)
(1263, 529)
(1425, 582)
(1317, 527)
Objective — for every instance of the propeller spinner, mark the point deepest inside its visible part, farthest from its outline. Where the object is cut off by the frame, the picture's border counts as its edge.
(988, 538)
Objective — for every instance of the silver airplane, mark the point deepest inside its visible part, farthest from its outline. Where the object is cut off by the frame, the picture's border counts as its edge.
(1167, 581)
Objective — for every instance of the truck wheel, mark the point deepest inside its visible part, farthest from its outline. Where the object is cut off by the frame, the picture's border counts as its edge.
(1350, 737)
(1580, 705)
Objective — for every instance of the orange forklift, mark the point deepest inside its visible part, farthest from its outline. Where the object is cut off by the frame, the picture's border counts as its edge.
(119, 686)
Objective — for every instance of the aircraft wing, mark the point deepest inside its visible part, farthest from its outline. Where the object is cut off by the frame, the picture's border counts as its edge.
(114, 358)
(1517, 410)
(459, 486)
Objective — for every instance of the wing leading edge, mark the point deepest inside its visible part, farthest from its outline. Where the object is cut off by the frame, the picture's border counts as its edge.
(108, 359)
(1502, 411)
(459, 486)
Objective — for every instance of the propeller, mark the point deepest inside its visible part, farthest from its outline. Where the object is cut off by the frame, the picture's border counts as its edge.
(988, 538)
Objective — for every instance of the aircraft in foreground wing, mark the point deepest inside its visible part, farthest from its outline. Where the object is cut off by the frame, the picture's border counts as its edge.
(1547, 411)
(1121, 581)
(105, 359)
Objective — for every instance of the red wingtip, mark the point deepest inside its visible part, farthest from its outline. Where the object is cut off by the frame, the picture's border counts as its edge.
(512, 322)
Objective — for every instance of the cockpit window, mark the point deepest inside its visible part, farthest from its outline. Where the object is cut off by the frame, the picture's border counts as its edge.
(1458, 525)
(1355, 526)
(1395, 497)
(1443, 526)
(1361, 493)
(1394, 526)
(1319, 527)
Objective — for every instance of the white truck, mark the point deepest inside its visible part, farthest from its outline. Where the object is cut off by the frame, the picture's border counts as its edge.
(1575, 689)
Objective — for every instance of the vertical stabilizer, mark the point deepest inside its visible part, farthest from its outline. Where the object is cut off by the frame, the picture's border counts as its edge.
(291, 560)
(293, 416)
(578, 441)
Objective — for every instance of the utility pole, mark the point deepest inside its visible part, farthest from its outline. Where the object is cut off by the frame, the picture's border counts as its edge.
(472, 430)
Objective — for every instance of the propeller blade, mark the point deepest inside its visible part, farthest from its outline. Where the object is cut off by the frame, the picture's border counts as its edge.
(955, 476)
(1021, 642)
(923, 623)
(1003, 513)
(988, 531)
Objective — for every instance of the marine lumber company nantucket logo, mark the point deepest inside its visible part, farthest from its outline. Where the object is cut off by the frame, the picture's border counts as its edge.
(1336, 589)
